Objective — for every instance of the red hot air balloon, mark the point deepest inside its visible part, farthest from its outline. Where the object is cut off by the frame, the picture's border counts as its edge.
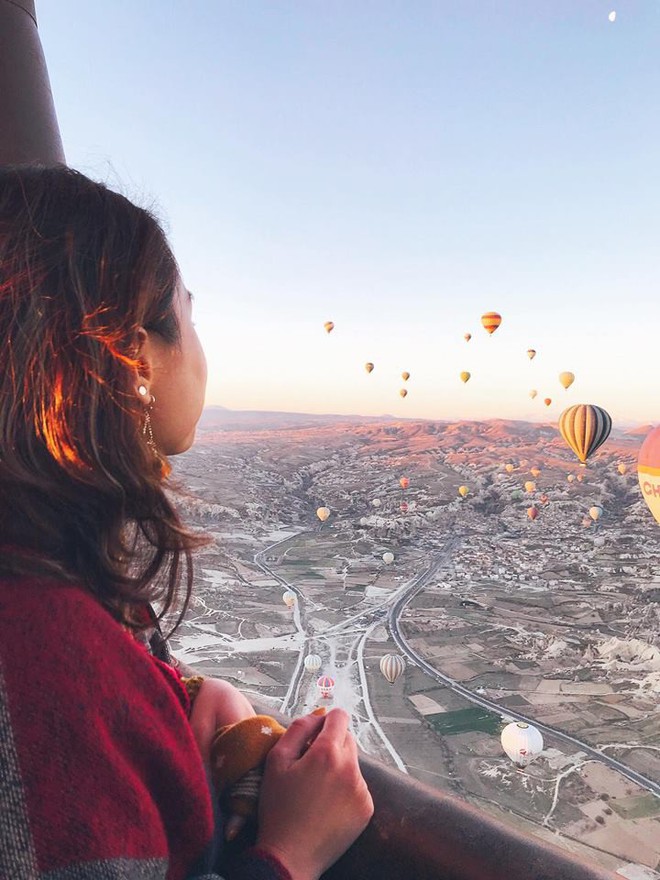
(648, 471)
(547, 401)
(532, 512)
(404, 482)
(404, 507)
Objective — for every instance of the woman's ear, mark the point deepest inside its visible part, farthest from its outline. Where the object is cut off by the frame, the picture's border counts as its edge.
(144, 355)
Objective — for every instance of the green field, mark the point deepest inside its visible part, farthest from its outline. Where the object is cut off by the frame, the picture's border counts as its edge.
(465, 721)
(640, 807)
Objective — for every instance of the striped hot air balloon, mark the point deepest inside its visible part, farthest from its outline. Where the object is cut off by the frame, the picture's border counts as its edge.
(491, 321)
(585, 428)
(392, 665)
(326, 686)
(312, 663)
(648, 470)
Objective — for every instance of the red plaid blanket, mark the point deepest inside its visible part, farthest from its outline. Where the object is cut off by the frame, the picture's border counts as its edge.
(100, 776)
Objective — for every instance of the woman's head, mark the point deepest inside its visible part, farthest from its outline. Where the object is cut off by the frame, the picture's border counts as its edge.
(97, 341)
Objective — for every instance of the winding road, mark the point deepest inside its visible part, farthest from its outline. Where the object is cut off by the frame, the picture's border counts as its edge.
(389, 611)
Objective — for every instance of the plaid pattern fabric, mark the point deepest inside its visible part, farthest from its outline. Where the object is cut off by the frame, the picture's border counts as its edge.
(100, 776)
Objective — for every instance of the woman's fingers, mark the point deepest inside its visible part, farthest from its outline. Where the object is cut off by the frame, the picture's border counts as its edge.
(294, 741)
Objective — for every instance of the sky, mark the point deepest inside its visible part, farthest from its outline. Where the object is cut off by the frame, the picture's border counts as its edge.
(398, 168)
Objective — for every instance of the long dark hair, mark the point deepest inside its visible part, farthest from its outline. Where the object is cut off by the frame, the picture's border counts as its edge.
(81, 493)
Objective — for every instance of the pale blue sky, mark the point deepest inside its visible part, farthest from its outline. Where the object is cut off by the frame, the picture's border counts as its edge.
(398, 168)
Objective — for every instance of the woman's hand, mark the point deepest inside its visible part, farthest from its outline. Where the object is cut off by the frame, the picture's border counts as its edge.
(217, 703)
(314, 802)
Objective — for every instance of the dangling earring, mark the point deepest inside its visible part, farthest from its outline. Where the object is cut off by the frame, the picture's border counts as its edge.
(147, 430)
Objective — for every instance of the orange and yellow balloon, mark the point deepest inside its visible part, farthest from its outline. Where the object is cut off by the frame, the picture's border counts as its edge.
(648, 471)
(329, 326)
(463, 491)
(491, 321)
(465, 376)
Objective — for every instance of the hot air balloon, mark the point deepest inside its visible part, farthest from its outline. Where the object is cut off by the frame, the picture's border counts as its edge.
(403, 392)
(532, 512)
(323, 513)
(326, 686)
(535, 472)
(405, 375)
(388, 557)
(596, 512)
(523, 462)
(567, 379)
(544, 499)
(516, 495)
(403, 507)
(522, 743)
(312, 663)
(580, 478)
(547, 401)
(467, 337)
(376, 502)
(491, 321)
(622, 468)
(612, 15)
(585, 428)
(463, 491)
(571, 478)
(404, 482)
(289, 598)
(648, 471)
(533, 393)
(369, 367)
(530, 486)
(392, 665)
(329, 326)
(531, 354)
(509, 468)
(465, 376)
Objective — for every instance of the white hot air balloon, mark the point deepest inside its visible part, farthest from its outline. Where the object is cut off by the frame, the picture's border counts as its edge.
(612, 15)
(388, 558)
(392, 665)
(521, 742)
(376, 502)
(312, 663)
(289, 598)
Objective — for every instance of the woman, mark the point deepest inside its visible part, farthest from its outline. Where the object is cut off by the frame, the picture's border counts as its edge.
(102, 376)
